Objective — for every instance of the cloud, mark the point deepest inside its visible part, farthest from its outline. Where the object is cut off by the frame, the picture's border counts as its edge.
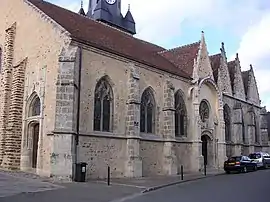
(160, 21)
(255, 49)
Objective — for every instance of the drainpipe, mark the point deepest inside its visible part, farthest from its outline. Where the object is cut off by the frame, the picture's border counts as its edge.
(78, 110)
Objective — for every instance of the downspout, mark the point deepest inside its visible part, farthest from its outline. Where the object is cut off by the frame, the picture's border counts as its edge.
(78, 110)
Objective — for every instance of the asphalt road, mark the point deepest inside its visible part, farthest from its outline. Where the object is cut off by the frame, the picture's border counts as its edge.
(249, 187)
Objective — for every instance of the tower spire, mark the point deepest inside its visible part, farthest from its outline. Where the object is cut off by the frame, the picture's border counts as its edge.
(81, 11)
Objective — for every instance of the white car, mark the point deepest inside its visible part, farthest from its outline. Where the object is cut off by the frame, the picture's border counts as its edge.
(261, 158)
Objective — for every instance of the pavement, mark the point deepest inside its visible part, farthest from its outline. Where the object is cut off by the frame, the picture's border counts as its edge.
(22, 187)
(244, 187)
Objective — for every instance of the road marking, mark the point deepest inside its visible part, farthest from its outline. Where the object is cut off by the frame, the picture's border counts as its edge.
(127, 197)
(126, 185)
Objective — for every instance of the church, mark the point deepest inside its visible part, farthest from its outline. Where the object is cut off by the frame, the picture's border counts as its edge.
(80, 87)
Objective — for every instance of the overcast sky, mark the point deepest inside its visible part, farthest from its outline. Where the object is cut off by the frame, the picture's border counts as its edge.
(243, 25)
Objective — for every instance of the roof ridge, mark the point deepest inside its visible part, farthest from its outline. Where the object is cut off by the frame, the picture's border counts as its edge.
(179, 47)
(215, 55)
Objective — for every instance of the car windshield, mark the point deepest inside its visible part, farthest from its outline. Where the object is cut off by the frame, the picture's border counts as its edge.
(254, 156)
(235, 158)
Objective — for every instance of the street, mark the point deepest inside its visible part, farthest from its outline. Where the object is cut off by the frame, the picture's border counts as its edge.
(249, 187)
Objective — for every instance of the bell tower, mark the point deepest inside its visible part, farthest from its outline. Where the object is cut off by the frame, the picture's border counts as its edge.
(109, 12)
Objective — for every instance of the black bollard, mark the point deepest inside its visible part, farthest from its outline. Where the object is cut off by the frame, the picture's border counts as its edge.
(205, 169)
(182, 172)
(109, 173)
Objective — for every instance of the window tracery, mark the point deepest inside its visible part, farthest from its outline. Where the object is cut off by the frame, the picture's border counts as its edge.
(34, 109)
(103, 106)
(204, 111)
(227, 120)
(180, 115)
(147, 112)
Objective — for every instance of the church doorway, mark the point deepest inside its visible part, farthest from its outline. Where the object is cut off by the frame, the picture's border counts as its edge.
(35, 138)
(207, 150)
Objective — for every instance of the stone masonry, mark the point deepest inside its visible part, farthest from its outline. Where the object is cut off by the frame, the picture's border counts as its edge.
(6, 86)
(63, 151)
(134, 161)
(168, 131)
(14, 126)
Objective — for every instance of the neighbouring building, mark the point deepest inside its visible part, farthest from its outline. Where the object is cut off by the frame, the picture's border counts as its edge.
(79, 87)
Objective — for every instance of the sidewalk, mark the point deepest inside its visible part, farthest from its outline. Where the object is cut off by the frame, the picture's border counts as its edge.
(152, 183)
(98, 191)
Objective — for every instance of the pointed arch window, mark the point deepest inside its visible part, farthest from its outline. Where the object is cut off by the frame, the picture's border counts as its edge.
(34, 108)
(243, 127)
(147, 110)
(180, 115)
(204, 111)
(227, 120)
(103, 106)
(254, 122)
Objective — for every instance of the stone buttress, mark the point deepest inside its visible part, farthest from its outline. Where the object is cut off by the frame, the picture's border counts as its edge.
(169, 161)
(63, 145)
(134, 161)
(6, 86)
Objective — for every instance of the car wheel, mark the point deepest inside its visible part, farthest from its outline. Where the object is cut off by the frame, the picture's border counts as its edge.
(255, 168)
(228, 172)
(245, 169)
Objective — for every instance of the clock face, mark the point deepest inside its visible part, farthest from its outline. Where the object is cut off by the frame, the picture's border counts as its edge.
(111, 1)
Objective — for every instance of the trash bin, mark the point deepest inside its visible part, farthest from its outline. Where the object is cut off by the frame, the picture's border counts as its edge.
(80, 172)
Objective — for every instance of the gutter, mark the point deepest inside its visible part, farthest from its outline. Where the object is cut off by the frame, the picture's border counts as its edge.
(77, 133)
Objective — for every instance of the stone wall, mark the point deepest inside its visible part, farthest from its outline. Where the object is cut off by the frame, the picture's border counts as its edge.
(41, 46)
(101, 152)
(6, 86)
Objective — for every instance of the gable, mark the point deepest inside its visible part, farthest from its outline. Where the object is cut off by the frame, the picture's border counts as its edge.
(183, 57)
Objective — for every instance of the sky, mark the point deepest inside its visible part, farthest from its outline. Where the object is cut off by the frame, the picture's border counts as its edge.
(243, 25)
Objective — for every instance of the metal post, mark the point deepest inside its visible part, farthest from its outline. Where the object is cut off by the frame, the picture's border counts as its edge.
(182, 172)
(109, 173)
(205, 169)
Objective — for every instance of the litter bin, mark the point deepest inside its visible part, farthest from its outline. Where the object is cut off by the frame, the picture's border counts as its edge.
(80, 172)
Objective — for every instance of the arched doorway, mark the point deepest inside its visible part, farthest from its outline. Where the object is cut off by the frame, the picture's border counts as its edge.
(205, 141)
(35, 138)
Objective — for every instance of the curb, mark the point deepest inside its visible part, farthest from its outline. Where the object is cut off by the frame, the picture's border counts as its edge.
(178, 182)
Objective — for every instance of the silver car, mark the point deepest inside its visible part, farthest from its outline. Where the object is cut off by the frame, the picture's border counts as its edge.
(261, 158)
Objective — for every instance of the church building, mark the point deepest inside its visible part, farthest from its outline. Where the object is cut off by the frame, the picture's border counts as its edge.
(80, 87)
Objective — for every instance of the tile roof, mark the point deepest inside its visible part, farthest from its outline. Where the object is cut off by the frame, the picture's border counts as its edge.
(231, 68)
(183, 57)
(245, 77)
(215, 63)
(98, 35)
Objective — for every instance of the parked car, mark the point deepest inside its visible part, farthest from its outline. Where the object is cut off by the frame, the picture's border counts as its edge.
(239, 163)
(261, 158)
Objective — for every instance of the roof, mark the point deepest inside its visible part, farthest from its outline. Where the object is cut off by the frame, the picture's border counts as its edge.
(215, 63)
(183, 57)
(98, 35)
(231, 68)
(245, 77)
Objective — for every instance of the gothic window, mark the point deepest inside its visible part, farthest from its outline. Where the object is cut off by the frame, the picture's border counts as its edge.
(103, 105)
(204, 111)
(35, 107)
(243, 127)
(180, 115)
(147, 112)
(227, 120)
(253, 117)
(1, 52)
